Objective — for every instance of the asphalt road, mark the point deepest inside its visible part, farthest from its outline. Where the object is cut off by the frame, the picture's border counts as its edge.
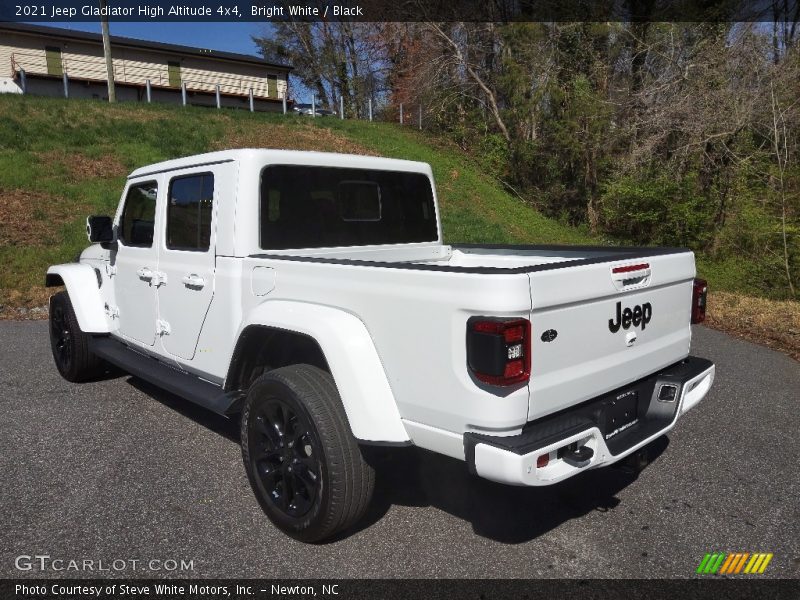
(118, 470)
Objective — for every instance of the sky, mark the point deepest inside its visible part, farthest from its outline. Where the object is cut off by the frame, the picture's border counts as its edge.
(229, 37)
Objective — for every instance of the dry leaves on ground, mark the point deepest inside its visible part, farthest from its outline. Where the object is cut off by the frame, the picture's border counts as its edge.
(80, 167)
(282, 137)
(30, 218)
(25, 304)
(773, 323)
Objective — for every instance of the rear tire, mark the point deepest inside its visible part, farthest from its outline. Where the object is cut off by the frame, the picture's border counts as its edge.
(70, 345)
(303, 463)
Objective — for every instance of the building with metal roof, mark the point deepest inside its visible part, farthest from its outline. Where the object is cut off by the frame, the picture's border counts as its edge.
(62, 62)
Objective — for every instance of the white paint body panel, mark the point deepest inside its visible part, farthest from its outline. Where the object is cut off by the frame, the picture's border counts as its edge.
(184, 301)
(586, 359)
(87, 301)
(9, 86)
(367, 397)
(416, 321)
(135, 292)
(394, 335)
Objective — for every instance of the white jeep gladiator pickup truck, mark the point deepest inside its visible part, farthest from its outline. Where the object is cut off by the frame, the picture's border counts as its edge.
(311, 295)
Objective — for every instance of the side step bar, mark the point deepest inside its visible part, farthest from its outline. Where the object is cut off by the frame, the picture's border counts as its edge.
(152, 370)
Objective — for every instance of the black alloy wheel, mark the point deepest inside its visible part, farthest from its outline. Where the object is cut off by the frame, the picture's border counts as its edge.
(304, 465)
(71, 346)
(284, 455)
(60, 338)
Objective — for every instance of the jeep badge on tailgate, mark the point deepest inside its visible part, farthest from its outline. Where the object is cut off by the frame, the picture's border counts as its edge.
(638, 315)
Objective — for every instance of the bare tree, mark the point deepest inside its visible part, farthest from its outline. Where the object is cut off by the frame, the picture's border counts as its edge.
(333, 59)
(780, 147)
(459, 56)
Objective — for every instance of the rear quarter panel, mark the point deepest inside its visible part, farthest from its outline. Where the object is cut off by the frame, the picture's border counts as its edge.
(417, 321)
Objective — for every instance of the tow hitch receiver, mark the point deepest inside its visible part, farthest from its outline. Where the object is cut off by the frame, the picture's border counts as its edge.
(576, 456)
(635, 463)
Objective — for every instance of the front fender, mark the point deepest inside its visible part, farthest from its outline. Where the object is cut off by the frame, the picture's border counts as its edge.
(353, 360)
(81, 283)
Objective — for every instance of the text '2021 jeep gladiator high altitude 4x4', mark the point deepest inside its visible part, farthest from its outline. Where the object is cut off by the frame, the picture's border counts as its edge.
(312, 295)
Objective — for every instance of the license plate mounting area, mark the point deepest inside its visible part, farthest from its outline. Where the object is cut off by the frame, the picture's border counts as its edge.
(620, 413)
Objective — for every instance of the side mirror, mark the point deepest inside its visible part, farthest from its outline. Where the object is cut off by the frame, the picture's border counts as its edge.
(99, 229)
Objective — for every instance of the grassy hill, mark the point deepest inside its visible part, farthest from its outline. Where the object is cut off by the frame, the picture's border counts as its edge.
(62, 160)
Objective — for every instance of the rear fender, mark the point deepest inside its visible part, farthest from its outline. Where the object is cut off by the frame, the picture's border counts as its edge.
(353, 361)
(81, 283)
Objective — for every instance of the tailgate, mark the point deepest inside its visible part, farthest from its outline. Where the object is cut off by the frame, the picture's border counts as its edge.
(600, 326)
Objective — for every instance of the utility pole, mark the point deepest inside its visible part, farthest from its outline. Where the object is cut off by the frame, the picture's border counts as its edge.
(112, 94)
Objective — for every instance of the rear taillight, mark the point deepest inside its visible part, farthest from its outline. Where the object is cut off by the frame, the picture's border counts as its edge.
(499, 350)
(699, 292)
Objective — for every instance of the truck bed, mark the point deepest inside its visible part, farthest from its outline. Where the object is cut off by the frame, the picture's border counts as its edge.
(429, 291)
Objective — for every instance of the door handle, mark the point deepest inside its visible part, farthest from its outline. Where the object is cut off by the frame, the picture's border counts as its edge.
(194, 281)
(145, 274)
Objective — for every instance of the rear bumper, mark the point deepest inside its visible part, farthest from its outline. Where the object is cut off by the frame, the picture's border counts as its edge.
(513, 459)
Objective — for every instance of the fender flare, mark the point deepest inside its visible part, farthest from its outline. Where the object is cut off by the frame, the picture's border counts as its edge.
(353, 360)
(81, 283)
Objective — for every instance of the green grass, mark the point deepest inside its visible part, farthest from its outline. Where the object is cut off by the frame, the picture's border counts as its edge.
(40, 138)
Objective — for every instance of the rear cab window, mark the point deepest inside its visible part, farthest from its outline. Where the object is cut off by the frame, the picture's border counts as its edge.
(320, 207)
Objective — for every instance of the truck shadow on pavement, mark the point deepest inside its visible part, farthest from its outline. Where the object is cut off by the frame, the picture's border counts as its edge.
(507, 514)
(227, 428)
(419, 478)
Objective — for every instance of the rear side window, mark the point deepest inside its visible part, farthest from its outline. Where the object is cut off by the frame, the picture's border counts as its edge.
(318, 207)
(139, 215)
(189, 212)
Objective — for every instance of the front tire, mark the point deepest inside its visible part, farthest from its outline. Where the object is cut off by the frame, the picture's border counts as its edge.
(70, 345)
(304, 465)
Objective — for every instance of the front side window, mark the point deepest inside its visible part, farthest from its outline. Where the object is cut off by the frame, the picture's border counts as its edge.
(139, 215)
(189, 212)
(323, 207)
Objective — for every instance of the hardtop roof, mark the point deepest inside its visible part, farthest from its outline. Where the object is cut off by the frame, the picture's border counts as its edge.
(298, 157)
